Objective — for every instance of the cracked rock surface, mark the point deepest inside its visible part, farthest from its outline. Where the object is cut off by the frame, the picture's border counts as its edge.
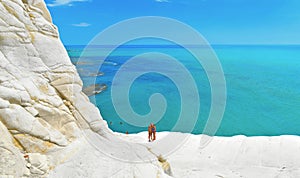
(41, 103)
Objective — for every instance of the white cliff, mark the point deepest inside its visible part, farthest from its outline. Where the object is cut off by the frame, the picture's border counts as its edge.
(41, 103)
(49, 128)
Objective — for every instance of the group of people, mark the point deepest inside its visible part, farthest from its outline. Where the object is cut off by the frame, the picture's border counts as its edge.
(151, 132)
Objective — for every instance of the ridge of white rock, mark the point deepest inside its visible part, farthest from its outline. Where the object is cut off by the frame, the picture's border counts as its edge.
(41, 103)
(49, 128)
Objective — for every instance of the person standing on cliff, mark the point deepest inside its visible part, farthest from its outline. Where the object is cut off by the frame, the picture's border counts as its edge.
(153, 131)
(150, 132)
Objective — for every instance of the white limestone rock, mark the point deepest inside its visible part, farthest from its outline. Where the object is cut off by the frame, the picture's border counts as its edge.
(39, 111)
(3, 103)
(17, 118)
(14, 96)
(11, 159)
(32, 111)
(38, 164)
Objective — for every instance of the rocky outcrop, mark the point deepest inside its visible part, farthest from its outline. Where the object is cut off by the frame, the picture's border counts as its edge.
(42, 108)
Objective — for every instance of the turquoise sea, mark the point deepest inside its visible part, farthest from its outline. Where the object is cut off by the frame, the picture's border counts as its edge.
(263, 87)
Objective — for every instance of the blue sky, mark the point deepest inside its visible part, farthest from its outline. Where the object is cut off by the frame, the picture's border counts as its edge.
(219, 21)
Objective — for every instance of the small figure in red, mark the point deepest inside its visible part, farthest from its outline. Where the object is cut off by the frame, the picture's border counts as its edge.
(151, 132)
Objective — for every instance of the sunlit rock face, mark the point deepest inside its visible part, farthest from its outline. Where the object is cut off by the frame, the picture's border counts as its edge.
(42, 108)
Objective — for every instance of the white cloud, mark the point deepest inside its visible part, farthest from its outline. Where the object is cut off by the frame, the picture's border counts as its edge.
(82, 24)
(162, 0)
(64, 2)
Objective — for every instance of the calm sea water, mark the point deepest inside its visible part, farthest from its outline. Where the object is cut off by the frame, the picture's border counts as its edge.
(263, 87)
